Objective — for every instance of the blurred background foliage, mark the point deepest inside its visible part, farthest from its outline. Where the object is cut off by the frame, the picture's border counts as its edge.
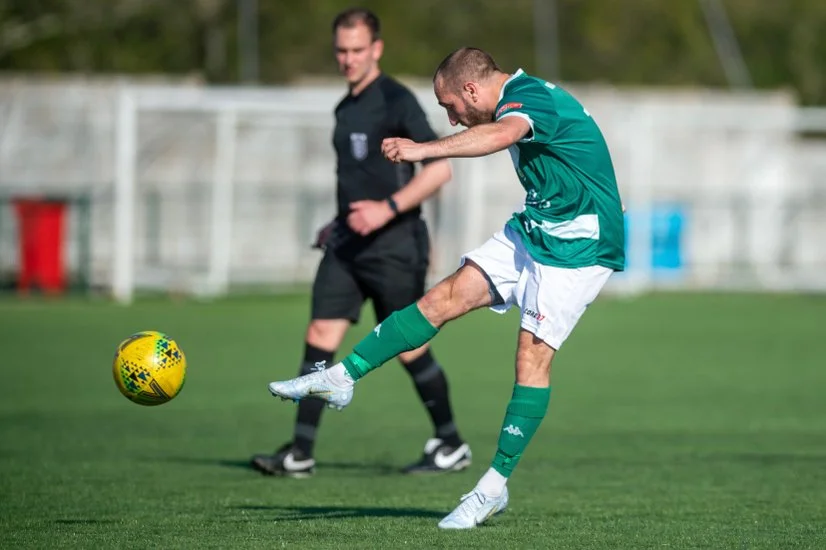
(632, 42)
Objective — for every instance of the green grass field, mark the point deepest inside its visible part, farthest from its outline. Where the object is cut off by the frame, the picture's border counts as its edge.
(677, 421)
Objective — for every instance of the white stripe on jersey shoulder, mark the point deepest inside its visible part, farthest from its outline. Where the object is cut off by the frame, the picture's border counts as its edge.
(518, 73)
(524, 116)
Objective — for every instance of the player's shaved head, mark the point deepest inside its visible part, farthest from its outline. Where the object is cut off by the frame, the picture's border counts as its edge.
(465, 65)
(467, 84)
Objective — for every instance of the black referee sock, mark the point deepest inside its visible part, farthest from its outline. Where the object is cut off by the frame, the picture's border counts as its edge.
(309, 410)
(431, 384)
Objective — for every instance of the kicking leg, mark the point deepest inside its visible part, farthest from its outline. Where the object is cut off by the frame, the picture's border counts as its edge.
(405, 330)
(412, 327)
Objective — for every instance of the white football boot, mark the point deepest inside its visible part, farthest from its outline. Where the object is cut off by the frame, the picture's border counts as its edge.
(475, 509)
(316, 384)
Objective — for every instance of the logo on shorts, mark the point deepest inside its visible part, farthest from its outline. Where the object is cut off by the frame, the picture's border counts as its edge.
(535, 314)
(358, 145)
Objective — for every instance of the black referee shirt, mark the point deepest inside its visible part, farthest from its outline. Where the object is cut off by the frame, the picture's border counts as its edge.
(385, 108)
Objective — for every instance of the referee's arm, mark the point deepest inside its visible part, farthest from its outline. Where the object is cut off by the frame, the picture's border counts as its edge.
(425, 183)
(367, 216)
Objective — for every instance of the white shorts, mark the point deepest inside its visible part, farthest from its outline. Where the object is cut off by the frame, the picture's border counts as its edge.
(552, 299)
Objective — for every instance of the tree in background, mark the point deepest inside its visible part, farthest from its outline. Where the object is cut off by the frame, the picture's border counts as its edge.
(633, 42)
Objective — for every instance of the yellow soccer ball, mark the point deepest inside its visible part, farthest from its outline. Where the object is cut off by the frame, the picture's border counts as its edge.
(149, 368)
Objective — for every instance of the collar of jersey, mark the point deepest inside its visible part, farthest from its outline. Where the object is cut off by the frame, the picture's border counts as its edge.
(369, 86)
(517, 74)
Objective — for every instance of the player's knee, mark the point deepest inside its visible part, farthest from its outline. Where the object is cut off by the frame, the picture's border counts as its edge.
(463, 297)
(533, 363)
(451, 298)
(535, 358)
(440, 303)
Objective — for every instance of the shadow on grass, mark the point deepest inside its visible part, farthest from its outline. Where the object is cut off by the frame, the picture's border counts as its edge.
(195, 461)
(690, 459)
(368, 468)
(298, 513)
(85, 521)
(768, 459)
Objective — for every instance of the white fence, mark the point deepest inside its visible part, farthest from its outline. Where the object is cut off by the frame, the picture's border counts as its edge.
(202, 189)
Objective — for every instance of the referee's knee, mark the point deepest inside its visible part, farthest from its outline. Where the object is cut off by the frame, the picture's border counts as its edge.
(410, 357)
(423, 367)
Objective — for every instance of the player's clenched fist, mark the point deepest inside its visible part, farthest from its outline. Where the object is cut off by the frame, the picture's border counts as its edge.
(402, 150)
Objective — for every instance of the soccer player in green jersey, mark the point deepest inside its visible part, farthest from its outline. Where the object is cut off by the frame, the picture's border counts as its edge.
(551, 259)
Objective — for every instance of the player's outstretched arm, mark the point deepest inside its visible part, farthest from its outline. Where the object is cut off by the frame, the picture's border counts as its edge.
(474, 142)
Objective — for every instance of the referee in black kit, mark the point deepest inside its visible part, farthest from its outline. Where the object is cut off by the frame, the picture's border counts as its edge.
(377, 248)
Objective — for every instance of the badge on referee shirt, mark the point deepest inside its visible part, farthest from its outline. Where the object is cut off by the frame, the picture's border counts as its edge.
(358, 145)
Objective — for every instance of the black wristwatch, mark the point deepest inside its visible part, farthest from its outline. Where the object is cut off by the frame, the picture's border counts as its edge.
(393, 206)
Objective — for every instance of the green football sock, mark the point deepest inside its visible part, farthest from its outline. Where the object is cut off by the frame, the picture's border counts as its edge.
(403, 330)
(525, 413)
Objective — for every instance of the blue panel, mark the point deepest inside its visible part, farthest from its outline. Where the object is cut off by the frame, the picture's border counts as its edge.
(668, 225)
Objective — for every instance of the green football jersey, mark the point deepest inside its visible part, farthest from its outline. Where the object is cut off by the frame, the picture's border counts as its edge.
(573, 213)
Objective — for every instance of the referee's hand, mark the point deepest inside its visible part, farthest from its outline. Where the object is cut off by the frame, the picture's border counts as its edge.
(324, 235)
(367, 216)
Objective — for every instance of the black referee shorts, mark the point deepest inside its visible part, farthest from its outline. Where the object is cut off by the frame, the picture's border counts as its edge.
(389, 269)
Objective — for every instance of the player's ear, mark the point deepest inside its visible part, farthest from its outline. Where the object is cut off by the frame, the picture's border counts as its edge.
(472, 90)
